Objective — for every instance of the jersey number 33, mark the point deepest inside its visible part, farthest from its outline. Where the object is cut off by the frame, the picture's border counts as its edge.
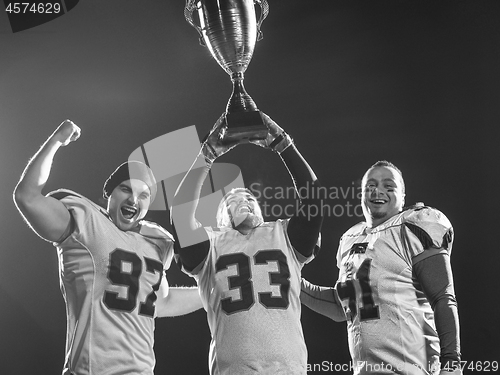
(242, 281)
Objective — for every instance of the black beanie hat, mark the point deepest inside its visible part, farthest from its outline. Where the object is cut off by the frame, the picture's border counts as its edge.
(130, 170)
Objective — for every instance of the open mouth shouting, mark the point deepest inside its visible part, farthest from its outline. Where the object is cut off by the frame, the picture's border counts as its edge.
(128, 212)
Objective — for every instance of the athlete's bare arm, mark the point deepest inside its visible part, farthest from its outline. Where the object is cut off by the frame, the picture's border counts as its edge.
(47, 216)
(177, 300)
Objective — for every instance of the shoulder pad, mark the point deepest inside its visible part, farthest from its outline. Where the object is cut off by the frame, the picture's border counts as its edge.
(355, 230)
(80, 200)
(153, 230)
(63, 193)
(430, 225)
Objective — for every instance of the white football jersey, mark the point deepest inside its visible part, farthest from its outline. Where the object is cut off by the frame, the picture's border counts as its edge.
(250, 287)
(109, 280)
(390, 322)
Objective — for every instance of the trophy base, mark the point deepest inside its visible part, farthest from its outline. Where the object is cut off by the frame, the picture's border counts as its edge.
(244, 126)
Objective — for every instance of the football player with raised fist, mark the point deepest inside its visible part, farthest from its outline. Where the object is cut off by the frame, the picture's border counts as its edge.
(111, 262)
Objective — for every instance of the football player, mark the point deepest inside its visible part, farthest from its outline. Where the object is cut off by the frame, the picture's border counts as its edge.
(111, 263)
(395, 285)
(248, 270)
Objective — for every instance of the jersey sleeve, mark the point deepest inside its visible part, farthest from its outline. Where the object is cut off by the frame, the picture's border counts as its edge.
(156, 232)
(352, 232)
(426, 232)
(80, 209)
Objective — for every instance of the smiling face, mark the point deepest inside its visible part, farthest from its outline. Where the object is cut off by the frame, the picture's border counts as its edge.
(240, 210)
(382, 194)
(128, 204)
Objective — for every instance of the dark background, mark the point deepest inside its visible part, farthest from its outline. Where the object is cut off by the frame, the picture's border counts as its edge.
(413, 82)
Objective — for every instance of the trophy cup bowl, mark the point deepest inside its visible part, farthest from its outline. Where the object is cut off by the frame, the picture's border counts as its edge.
(230, 30)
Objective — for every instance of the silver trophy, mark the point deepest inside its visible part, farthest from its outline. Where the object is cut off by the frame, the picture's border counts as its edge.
(229, 29)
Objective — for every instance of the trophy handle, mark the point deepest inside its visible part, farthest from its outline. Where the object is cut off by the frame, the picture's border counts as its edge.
(191, 7)
(264, 11)
(188, 14)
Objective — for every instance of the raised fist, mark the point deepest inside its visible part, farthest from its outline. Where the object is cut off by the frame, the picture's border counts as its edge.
(67, 132)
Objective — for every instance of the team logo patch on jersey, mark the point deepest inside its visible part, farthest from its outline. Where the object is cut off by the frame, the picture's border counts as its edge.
(358, 248)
